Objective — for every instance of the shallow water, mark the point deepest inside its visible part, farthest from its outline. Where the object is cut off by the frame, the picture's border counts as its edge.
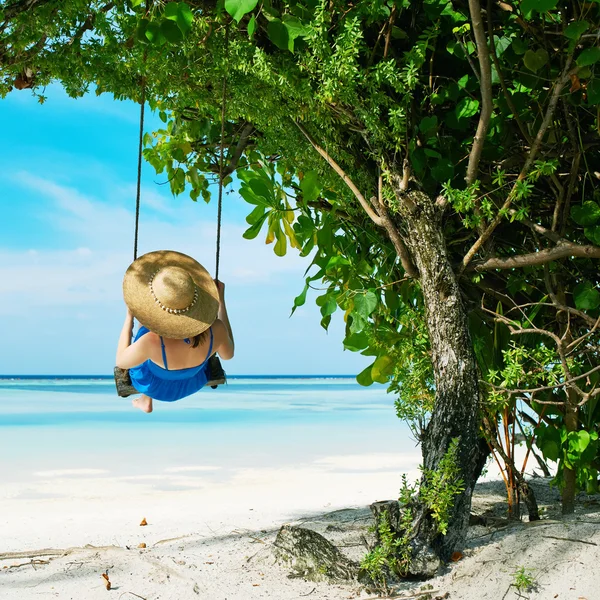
(77, 424)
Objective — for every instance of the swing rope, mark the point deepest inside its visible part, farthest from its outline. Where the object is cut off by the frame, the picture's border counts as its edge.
(139, 166)
(221, 152)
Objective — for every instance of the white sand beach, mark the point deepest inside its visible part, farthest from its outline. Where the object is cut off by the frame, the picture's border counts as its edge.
(218, 543)
(215, 482)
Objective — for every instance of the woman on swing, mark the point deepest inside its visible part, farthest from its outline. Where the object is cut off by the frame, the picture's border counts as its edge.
(183, 321)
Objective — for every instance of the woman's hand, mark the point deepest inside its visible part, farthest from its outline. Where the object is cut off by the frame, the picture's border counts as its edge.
(221, 290)
(128, 319)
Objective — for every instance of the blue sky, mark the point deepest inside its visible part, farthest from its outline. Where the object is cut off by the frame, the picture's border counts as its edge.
(67, 194)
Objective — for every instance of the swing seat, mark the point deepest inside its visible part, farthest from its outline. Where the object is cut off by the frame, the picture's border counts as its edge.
(216, 377)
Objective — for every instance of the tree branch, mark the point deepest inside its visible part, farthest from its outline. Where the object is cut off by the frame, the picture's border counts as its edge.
(334, 165)
(382, 219)
(558, 86)
(545, 388)
(485, 85)
(550, 234)
(561, 250)
(14, 9)
(89, 23)
(239, 150)
(322, 204)
(390, 228)
(516, 329)
(507, 96)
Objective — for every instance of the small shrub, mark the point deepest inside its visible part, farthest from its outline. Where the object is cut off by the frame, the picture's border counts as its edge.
(523, 580)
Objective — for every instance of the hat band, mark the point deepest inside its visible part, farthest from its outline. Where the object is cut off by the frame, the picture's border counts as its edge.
(174, 311)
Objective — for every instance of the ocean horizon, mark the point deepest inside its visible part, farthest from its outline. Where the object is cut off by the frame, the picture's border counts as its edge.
(241, 376)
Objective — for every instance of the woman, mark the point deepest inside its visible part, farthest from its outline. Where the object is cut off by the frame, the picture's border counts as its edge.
(183, 323)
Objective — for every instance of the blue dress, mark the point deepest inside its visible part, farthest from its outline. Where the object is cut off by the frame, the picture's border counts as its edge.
(168, 385)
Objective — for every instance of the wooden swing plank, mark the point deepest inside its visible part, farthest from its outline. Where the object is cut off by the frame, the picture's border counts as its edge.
(216, 378)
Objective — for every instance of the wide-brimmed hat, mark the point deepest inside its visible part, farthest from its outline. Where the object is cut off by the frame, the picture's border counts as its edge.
(171, 294)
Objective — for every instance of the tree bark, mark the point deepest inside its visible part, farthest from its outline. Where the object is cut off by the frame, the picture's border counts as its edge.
(570, 475)
(456, 408)
(571, 416)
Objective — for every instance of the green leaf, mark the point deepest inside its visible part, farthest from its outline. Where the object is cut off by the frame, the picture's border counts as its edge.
(251, 26)
(528, 6)
(253, 231)
(519, 46)
(185, 17)
(429, 124)
(586, 296)
(336, 262)
(278, 34)
(280, 248)
(589, 56)
(587, 214)
(578, 441)
(551, 450)
(364, 377)
(593, 234)
(140, 32)
(356, 341)
(392, 299)
(300, 299)
(443, 170)
(382, 368)
(593, 91)
(535, 60)
(548, 439)
(153, 33)
(295, 29)
(171, 10)
(358, 323)
(255, 215)
(466, 108)
(575, 30)
(310, 186)
(171, 32)
(502, 43)
(365, 304)
(261, 189)
(238, 8)
(432, 153)
(329, 307)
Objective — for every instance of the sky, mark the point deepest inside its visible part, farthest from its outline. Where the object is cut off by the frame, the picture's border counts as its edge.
(67, 199)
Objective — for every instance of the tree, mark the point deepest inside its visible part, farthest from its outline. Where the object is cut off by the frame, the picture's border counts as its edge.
(430, 156)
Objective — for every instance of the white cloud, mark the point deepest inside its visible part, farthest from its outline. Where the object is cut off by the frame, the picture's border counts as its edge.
(97, 238)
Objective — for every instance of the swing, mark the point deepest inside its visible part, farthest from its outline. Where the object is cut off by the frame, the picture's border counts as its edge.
(216, 373)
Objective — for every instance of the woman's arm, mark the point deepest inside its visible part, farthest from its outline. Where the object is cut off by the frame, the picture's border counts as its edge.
(226, 346)
(128, 354)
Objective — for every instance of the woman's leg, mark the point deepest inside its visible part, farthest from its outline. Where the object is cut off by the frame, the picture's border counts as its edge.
(144, 403)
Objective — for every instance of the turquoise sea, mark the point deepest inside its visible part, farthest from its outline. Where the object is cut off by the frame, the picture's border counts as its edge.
(62, 422)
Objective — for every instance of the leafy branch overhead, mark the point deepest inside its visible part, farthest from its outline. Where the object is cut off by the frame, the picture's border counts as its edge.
(436, 162)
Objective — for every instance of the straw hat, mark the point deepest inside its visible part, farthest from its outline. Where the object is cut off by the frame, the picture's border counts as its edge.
(171, 294)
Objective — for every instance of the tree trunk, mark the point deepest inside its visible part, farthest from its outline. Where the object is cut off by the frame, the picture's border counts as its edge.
(571, 417)
(456, 411)
(570, 475)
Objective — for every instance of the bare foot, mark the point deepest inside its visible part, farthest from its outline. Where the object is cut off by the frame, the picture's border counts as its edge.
(144, 403)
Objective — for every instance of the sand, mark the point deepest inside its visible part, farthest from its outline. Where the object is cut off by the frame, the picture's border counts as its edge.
(226, 551)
